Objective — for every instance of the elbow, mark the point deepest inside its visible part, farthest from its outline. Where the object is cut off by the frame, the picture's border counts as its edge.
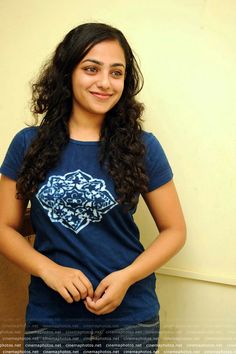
(182, 235)
(184, 238)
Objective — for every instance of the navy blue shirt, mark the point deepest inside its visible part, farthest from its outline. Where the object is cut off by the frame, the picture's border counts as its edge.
(78, 223)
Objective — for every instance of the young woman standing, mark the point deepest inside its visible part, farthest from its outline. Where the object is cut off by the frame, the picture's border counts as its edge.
(83, 169)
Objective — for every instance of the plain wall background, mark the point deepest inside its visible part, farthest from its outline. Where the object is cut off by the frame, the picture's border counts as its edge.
(187, 52)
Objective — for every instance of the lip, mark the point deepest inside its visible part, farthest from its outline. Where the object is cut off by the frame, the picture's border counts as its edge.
(101, 95)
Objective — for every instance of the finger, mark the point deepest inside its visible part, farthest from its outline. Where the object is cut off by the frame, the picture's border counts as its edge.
(100, 290)
(81, 288)
(105, 310)
(90, 302)
(87, 284)
(100, 303)
(74, 291)
(66, 295)
(88, 307)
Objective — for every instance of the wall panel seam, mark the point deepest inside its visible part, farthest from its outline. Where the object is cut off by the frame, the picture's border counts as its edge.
(189, 274)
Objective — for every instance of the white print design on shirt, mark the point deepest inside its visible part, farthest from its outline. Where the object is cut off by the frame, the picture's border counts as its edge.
(75, 199)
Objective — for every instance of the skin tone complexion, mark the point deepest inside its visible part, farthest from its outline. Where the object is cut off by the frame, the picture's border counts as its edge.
(97, 84)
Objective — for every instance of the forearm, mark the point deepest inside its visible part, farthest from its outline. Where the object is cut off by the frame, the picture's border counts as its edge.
(16, 248)
(164, 247)
(59, 278)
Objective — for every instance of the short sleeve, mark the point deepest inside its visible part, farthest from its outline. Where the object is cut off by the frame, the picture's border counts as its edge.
(16, 151)
(157, 165)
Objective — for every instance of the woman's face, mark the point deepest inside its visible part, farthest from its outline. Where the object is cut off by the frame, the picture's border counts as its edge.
(98, 80)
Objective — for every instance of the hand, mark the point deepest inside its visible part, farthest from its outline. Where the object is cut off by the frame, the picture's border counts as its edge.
(109, 293)
(70, 283)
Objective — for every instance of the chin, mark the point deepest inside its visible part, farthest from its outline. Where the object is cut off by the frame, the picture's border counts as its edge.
(101, 110)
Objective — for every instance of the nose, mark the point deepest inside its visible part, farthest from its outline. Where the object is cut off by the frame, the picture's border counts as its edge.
(104, 81)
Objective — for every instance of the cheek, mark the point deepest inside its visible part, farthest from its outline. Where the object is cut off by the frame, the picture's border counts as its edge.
(81, 82)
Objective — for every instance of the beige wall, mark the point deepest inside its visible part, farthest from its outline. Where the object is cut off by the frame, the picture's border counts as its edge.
(187, 50)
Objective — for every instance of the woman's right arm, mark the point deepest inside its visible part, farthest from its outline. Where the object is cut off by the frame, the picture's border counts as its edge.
(70, 283)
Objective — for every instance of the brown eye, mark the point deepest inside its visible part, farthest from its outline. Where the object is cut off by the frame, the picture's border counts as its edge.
(91, 69)
(117, 73)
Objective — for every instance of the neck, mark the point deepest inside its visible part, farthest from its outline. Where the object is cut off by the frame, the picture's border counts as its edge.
(85, 127)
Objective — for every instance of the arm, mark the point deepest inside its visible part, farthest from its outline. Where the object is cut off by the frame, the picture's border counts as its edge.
(166, 211)
(72, 284)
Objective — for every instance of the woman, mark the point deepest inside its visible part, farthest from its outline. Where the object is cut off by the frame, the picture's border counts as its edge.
(83, 169)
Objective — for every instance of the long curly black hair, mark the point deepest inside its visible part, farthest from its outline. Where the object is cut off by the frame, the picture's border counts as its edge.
(121, 150)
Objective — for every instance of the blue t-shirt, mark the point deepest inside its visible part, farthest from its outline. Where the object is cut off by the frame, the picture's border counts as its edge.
(78, 223)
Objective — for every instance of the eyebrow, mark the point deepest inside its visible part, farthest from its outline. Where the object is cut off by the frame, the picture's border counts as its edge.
(101, 63)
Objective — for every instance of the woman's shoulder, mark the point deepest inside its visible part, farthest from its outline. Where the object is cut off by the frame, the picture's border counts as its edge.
(153, 146)
(157, 165)
(16, 151)
(149, 138)
(27, 132)
(146, 135)
(25, 136)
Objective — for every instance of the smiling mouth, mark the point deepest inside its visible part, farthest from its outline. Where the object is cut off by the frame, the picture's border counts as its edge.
(102, 96)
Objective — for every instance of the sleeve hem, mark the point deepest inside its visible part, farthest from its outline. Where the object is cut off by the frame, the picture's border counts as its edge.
(165, 178)
(4, 170)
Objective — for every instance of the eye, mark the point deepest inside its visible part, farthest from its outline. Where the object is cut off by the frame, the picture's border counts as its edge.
(91, 69)
(117, 73)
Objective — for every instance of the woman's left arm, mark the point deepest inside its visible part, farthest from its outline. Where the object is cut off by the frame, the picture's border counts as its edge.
(166, 211)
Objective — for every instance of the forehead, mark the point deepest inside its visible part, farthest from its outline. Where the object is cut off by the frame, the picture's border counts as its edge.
(107, 52)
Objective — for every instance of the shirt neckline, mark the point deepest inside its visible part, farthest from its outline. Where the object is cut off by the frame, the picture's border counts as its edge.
(80, 142)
